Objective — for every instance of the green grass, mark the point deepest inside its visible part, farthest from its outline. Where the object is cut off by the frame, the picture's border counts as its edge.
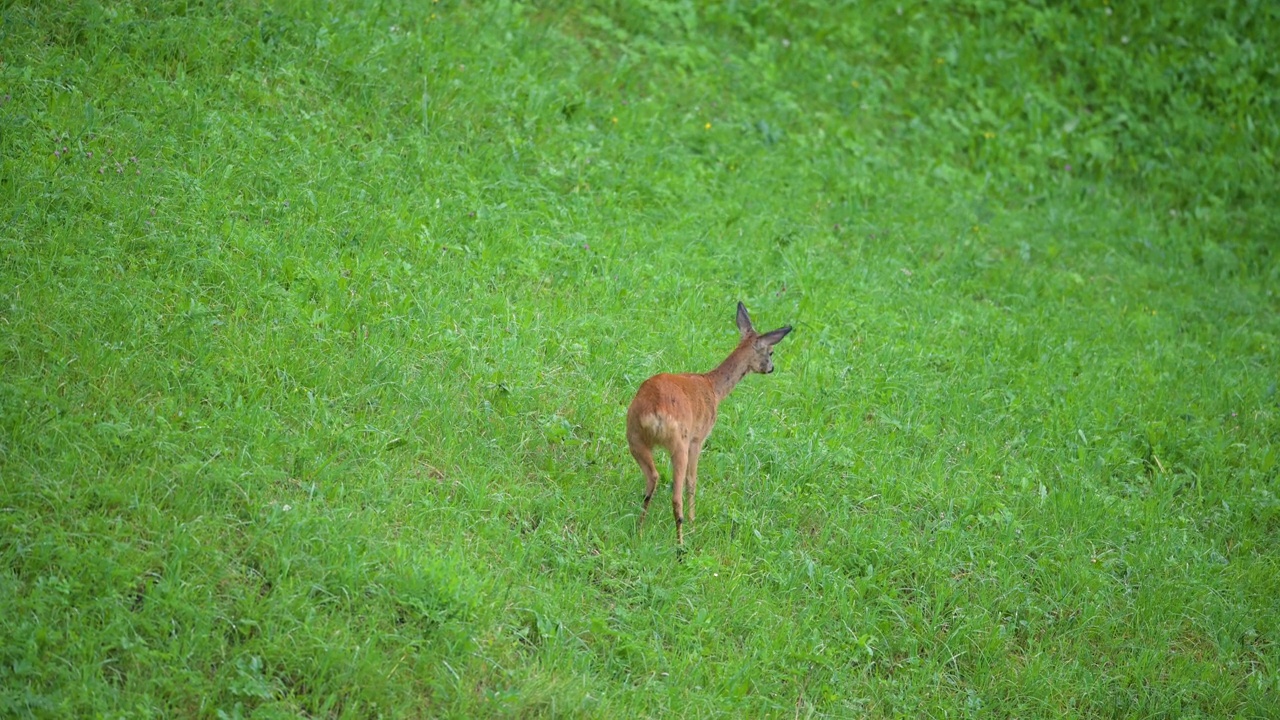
(318, 323)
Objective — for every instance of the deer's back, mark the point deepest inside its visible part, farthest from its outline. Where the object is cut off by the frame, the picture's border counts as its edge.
(668, 408)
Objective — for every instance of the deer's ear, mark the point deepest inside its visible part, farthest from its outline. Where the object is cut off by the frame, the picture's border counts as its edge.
(744, 320)
(773, 337)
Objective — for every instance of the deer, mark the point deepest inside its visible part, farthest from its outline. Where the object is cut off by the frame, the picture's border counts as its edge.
(678, 411)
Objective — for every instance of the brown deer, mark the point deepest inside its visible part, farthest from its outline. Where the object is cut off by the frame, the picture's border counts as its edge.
(677, 412)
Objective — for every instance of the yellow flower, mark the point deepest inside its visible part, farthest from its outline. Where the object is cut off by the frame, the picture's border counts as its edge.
(615, 121)
(707, 126)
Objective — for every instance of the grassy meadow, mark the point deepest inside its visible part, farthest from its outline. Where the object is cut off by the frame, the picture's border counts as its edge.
(318, 323)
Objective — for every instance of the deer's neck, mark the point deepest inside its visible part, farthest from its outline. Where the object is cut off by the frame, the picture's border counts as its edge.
(730, 372)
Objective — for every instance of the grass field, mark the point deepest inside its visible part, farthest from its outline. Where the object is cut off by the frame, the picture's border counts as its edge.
(318, 323)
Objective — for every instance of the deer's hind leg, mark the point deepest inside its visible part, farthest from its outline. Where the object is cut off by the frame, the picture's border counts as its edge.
(695, 451)
(644, 458)
(679, 465)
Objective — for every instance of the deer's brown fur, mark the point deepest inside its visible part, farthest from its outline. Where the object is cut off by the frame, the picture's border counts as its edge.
(677, 412)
